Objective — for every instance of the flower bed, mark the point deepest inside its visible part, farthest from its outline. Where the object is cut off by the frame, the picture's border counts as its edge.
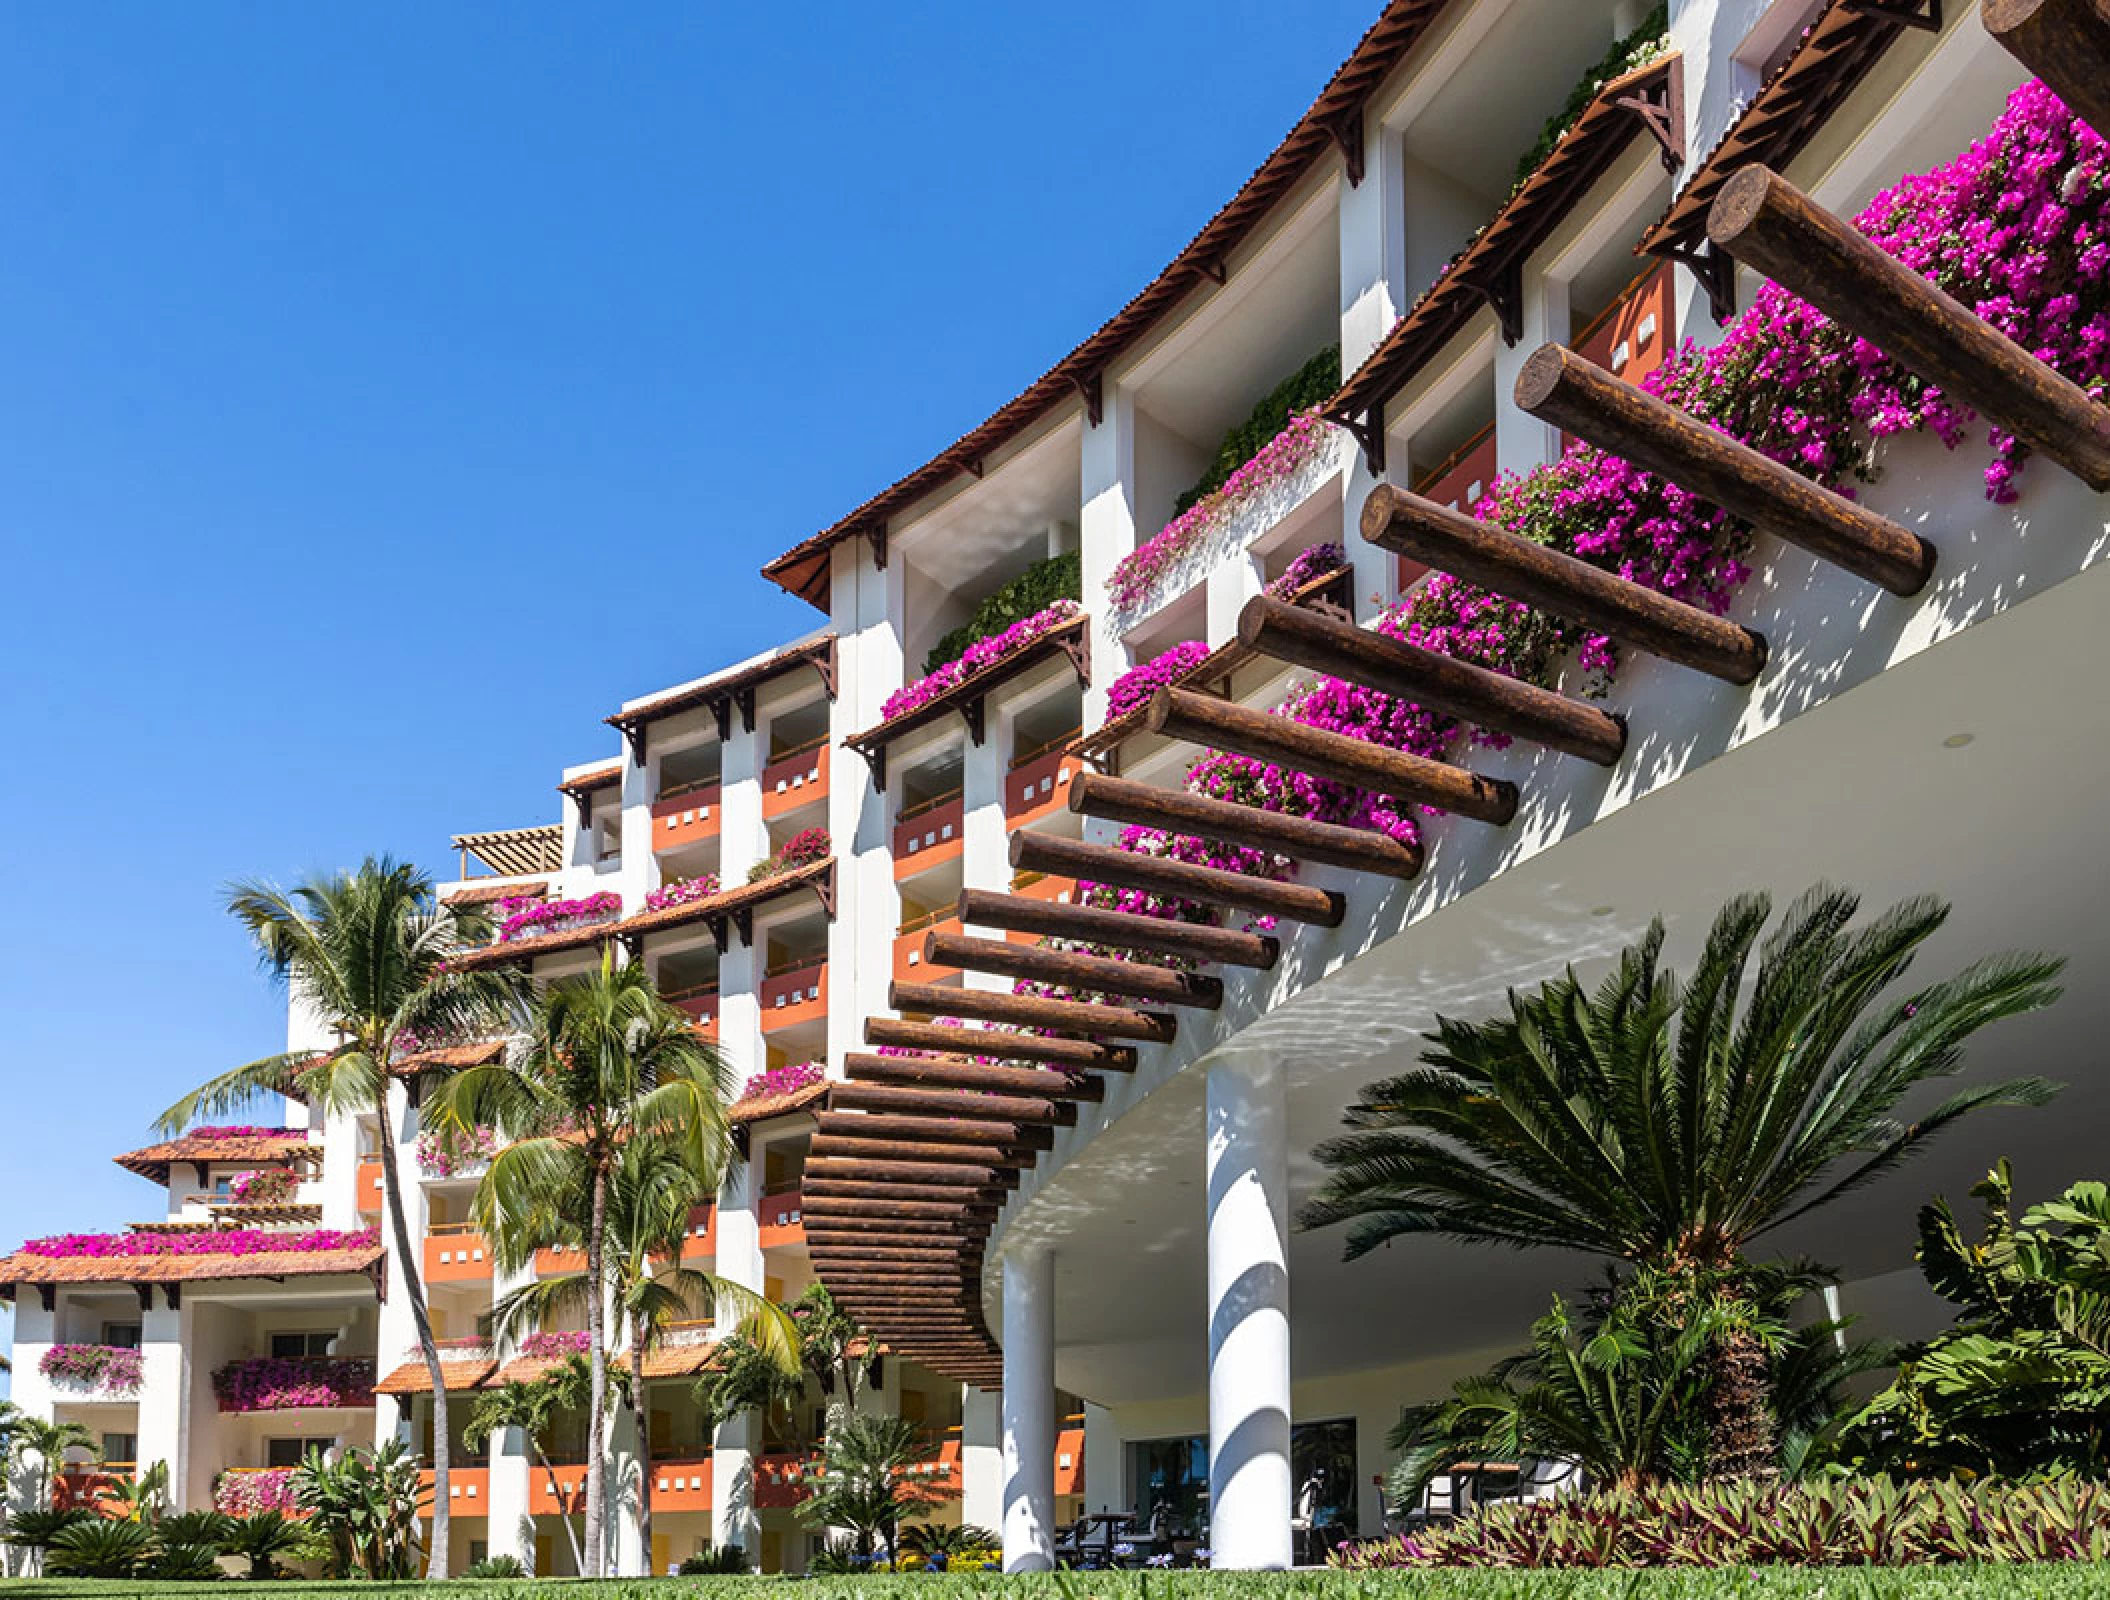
(1280, 474)
(982, 653)
(802, 849)
(446, 1152)
(267, 1186)
(783, 1080)
(556, 1346)
(217, 1134)
(205, 1242)
(276, 1383)
(243, 1492)
(539, 917)
(111, 1367)
(700, 887)
(1135, 686)
(2017, 227)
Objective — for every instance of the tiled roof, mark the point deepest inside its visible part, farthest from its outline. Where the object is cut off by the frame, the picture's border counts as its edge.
(449, 1057)
(23, 1268)
(1335, 117)
(600, 777)
(818, 653)
(156, 1159)
(1073, 635)
(484, 894)
(457, 1371)
(760, 1108)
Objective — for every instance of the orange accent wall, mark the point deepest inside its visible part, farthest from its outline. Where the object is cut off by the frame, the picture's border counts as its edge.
(370, 1194)
(702, 1238)
(571, 1483)
(468, 1492)
(1459, 485)
(1039, 787)
(798, 780)
(795, 997)
(1069, 1461)
(779, 1481)
(780, 1219)
(559, 1263)
(909, 965)
(930, 837)
(681, 1485)
(684, 818)
(457, 1257)
(1632, 337)
(1056, 891)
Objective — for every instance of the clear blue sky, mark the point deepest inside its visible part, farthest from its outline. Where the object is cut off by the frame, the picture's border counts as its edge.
(391, 390)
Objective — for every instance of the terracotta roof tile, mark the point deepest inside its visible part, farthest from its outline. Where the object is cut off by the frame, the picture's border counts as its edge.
(1068, 636)
(155, 1160)
(600, 777)
(458, 1372)
(447, 1058)
(484, 894)
(818, 653)
(23, 1268)
(761, 1108)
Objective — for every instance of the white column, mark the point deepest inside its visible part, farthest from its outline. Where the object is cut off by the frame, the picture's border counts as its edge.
(982, 1458)
(1107, 486)
(511, 1529)
(739, 1259)
(1522, 441)
(628, 1557)
(870, 606)
(1105, 1462)
(1029, 1411)
(1248, 1188)
(164, 1390)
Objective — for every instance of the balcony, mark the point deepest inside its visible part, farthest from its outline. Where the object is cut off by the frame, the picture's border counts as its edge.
(1631, 336)
(370, 1193)
(779, 1216)
(780, 1481)
(700, 1002)
(701, 1241)
(456, 1253)
(559, 1263)
(794, 991)
(796, 779)
(468, 1491)
(1038, 783)
(1457, 481)
(290, 1383)
(686, 813)
(909, 965)
(683, 1485)
(567, 1497)
(90, 1485)
(929, 832)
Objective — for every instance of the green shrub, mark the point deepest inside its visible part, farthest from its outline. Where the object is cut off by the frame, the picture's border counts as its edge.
(100, 1548)
(1310, 385)
(183, 1563)
(836, 1558)
(1034, 590)
(497, 1567)
(212, 1528)
(727, 1560)
(1742, 1522)
(37, 1529)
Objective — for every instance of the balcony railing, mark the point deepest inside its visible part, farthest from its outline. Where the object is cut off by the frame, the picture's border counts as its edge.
(456, 1252)
(699, 1000)
(794, 990)
(796, 778)
(1039, 782)
(929, 832)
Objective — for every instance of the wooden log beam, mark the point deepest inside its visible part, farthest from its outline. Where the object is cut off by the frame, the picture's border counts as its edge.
(1761, 218)
(1046, 852)
(885, 1097)
(831, 1227)
(1032, 1011)
(1224, 724)
(838, 1255)
(1481, 554)
(826, 1208)
(959, 1073)
(895, 1294)
(1492, 700)
(1299, 838)
(907, 1277)
(944, 1128)
(858, 1151)
(888, 1189)
(1073, 970)
(958, 1177)
(1080, 1054)
(2064, 42)
(1124, 930)
(1560, 387)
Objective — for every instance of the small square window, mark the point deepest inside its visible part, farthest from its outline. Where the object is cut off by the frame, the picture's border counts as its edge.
(299, 1346)
(284, 1452)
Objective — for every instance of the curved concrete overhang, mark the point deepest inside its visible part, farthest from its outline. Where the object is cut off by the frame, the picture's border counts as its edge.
(1846, 760)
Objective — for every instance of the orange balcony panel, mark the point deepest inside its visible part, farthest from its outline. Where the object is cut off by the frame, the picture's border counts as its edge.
(687, 815)
(468, 1491)
(909, 965)
(83, 1488)
(565, 1499)
(1633, 335)
(780, 1218)
(795, 780)
(456, 1255)
(681, 1485)
(370, 1191)
(559, 1263)
(799, 995)
(1039, 787)
(929, 835)
(1069, 1461)
(701, 1005)
(702, 1239)
(780, 1481)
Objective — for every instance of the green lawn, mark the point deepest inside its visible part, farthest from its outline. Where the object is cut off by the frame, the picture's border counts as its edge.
(2072, 1581)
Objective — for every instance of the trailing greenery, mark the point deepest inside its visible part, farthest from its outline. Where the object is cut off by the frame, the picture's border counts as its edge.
(1837, 1524)
(1038, 587)
(1637, 49)
(2020, 1387)
(1310, 385)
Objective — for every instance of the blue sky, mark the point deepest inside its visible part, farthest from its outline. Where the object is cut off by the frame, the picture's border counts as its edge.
(389, 391)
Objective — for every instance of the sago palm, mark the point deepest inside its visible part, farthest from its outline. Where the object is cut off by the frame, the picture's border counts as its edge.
(651, 1194)
(605, 1061)
(1664, 1123)
(367, 953)
(867, 1479)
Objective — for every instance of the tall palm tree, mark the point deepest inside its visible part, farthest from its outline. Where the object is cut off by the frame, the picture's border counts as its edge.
(49, 1442)
(368, 952)
(605, 1061)
(1659, 1122)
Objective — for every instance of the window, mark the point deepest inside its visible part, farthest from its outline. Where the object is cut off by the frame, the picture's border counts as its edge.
(124, 1335)
(298, 1346)
(119, 1448)
(285, 1452)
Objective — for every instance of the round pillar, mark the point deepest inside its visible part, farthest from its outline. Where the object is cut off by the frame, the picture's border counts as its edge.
(1029, 1412)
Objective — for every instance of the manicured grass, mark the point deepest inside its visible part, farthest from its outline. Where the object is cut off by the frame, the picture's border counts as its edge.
(2070, 1581)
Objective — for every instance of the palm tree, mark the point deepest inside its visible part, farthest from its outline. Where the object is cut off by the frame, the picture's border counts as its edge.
(606, 1061)
(867, 1479)
(368, 952)
(834, 1346)
(49, 1442)
(1655, 1121)
(532, 1407)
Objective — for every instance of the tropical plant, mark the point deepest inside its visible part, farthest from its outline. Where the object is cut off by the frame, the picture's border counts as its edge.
(213, 1528)
(743, 1376)
(533, 1408)
(48, 1443)
(2020, 1386)
(1659, 1122)
(1057, 577)
(866, 1480)
(835, 1558)
(368, 952)
(942, 1546)
(723, 1561)
(363, 1509)
(834, 1347)
(1855, 1522)
(34, 1529)
(264, 1539)
(100, 1547)
(171, 1562)
(143, 1497)
(606, 1063)
(497, 1567)
(1615, 1386)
